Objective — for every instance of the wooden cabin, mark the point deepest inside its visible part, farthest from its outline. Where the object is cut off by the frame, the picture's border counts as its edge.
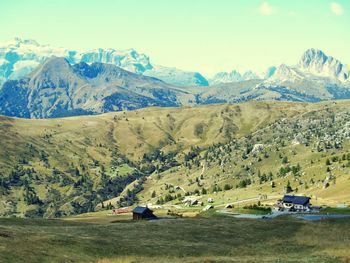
(140, 213)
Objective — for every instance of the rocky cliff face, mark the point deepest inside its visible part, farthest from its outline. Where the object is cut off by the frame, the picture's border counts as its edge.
(233, 76)
(316, 62)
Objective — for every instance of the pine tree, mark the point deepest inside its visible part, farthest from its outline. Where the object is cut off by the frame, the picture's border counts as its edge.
(153, 194)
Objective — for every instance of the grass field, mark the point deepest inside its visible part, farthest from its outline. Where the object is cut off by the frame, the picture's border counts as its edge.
(214, 239)
(333, 210)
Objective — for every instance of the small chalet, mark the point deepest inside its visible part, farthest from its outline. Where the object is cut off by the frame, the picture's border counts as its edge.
(140, 213)
(296, 203)
(210, 200)
(123, 210)
(190, 201)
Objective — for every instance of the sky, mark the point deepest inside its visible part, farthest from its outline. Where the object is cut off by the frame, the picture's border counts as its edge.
(198, 35)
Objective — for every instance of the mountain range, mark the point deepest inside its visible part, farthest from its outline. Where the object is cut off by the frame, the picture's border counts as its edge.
(57, 89)
(233, 76)
(101, 81)
(18, 57)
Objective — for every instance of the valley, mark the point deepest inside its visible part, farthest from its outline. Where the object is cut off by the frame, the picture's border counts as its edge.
(174, 131)
(231, 152)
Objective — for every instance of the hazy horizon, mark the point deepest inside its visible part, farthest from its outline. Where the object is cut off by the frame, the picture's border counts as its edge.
(203, 36)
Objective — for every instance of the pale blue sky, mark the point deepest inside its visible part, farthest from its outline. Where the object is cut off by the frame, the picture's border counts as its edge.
(202, 35)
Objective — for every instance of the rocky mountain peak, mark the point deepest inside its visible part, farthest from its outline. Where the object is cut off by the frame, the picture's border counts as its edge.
(312, 56)
(52, 66)
(316, 62)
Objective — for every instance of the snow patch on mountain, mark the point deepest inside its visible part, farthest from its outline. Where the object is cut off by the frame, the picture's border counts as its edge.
(127, 59)
(23, 68)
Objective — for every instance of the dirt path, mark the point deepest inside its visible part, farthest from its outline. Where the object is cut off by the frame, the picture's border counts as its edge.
(271, 197)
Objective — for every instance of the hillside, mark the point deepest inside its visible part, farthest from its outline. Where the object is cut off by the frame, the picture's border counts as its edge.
(57, 167)
(57, 89)
(308, 152)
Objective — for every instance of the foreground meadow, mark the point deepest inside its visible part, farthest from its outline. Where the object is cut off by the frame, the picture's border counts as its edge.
(214, 239)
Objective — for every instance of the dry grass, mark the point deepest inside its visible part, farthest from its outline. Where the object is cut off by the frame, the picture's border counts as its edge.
(182, 240)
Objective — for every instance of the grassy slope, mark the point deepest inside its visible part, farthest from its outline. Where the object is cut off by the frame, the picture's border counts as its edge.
(135, 132)
(312, 163)
(72, 141)
(189, 240)
(333, 195)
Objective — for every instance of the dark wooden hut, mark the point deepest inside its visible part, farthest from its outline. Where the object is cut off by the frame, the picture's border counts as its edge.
(140, 213)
